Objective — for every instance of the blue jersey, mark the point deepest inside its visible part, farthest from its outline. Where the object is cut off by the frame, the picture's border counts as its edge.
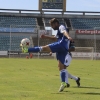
(62, 44)
(60, 31)
(60, 36)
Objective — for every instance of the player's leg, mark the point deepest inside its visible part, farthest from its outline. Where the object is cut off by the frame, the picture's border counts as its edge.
(36, 49)
(67, 63)
(63, 75)
(77, 79)
(53, 47)
(68, 59)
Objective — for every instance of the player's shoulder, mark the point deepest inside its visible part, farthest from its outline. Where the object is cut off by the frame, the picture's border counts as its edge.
(61, 26)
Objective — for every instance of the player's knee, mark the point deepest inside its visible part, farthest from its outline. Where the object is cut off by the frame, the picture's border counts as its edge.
(61, 66)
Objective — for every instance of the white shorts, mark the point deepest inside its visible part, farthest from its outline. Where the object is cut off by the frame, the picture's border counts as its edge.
(68, 60)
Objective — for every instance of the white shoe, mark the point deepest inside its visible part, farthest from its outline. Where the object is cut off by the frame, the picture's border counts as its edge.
(63, 85)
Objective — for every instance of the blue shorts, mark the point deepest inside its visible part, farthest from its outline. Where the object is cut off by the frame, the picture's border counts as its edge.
(60, 46)
(61, 50)
(65, 58)
(61, 56)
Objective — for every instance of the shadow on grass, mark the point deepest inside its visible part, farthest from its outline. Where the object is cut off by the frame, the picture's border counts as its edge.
(60, 92)
(88, 93)
(84, 93)
(87, 87)
(91, 93)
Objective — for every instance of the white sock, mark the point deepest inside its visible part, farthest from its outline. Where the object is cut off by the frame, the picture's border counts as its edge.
(66, 77)
(72, 77)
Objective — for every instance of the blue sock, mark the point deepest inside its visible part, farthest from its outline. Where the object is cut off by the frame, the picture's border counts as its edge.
(63, 75)
(35, 49)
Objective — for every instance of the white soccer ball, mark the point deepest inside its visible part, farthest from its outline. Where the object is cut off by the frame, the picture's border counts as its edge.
(25, 42)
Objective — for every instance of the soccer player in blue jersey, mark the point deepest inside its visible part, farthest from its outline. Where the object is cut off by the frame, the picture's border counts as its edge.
(68, 58)
(60, 47)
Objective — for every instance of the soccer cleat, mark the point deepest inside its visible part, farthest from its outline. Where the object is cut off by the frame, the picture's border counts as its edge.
(78, 82)
(68, 85)
(63, 85)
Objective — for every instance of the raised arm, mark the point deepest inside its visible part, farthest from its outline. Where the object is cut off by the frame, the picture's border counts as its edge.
(67, 35)
(48, 37)
(64, 31)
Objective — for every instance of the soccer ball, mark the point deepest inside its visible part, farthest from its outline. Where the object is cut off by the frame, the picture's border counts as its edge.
(25, 42)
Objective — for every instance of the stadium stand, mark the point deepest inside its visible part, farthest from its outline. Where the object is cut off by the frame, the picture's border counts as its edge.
(24, 22)
(27, 23)
(18, 24)
(85, 23)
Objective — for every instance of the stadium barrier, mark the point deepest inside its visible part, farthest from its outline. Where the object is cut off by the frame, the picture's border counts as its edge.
(33, 32)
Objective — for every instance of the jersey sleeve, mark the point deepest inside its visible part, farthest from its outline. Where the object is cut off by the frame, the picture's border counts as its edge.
(62, 29)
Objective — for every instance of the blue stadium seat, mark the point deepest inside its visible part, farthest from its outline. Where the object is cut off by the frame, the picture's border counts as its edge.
(16, 22)
(85, 23)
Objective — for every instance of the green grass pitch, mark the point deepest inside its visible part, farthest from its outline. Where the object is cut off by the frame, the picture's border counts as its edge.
(38, 79)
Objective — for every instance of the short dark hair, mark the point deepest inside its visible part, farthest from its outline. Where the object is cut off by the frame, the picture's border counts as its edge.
(54, 20)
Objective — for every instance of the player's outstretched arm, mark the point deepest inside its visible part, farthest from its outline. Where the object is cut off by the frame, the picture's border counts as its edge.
(48, 37)
(67, 35)
(64, 31)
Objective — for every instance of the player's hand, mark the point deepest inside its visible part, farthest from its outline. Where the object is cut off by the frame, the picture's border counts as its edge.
(50, 53)
(70, 38)
(43, 36)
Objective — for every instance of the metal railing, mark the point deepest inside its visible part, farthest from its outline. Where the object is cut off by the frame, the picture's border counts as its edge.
(48, 12)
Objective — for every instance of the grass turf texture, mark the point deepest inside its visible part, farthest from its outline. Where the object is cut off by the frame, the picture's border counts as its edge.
(38, 79)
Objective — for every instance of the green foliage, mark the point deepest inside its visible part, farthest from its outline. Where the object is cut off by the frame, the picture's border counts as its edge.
(38, 79)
